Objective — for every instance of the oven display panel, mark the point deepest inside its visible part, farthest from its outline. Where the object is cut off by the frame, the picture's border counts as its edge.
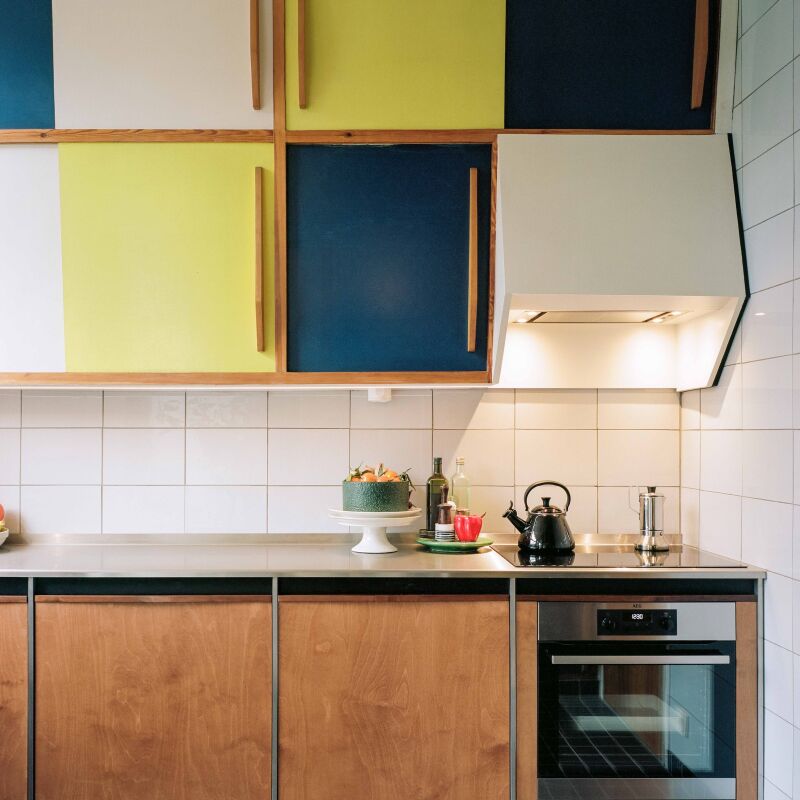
(637, 622)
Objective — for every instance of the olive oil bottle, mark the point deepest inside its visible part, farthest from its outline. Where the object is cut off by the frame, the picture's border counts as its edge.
(434, 495)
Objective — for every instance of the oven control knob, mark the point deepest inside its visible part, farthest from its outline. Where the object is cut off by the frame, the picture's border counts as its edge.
(665, 623)
(608, 624)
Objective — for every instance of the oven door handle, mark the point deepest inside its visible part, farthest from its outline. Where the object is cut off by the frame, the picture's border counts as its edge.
(700, 660)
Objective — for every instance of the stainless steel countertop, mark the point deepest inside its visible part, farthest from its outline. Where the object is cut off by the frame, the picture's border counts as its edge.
(304, 556)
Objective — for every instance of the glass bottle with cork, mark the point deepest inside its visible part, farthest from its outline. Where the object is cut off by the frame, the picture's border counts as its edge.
(433, 496)
(460, 488)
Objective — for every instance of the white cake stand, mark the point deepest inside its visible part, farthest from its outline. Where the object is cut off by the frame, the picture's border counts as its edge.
(374, 525)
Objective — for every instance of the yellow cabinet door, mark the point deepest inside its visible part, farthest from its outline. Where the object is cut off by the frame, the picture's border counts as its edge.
(159, 248)
(395, 64)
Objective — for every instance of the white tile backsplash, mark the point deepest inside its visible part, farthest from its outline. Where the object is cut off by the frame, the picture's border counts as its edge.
(226, 409)
(488, 455)
(217, 456)
(767, 458)
(143, 509)
(767, 393)
(768, 184)
(317, 457)
(767, 114)
(767, 46)
(721, 523)
(10, 404)
(638, 458)
(767, 534)
(61, 456)
(308, 409)
(300, 509)
(144, 409)
(567, 456)
(141, 457)
(770, 251)
(779, 681)
(9, 455)
(690, 459)
(226, 509)
(408, 408)
(62, 409)
(60, 509)
(556, 410)
(767, 324)
(721, 405)
(463, 409)
(625, 409)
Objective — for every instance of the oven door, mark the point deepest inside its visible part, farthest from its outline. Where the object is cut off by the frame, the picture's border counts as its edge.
(643, 720)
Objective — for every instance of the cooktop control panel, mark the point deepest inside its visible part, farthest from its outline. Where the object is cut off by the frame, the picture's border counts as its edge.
(635, 622)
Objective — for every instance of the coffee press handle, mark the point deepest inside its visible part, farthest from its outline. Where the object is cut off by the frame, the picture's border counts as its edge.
(631, 506)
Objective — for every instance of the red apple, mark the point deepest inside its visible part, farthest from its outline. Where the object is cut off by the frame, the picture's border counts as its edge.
(467, 527)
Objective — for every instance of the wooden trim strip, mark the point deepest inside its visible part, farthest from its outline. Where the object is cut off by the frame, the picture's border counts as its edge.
(237, 378)
(279, 93)
(746, 702)
(255, 53)
(66, 135)
(389, 598)
(700, 53)
(259, 232)
(472, 290)
(302, 74)
(492, 256)
(12, 598)
(153, 598)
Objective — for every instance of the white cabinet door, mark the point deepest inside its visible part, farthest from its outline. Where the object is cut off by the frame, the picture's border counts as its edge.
(159, 64)
(31, 304)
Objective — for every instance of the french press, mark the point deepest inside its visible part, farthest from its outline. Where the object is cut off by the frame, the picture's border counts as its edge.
(651, 520)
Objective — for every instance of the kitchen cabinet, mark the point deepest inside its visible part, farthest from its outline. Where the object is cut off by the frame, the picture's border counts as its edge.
(621, 65)
(26, 64)
(383, 270)
(527, 635)
(32, 338)
(393, 697)
(155, 64)
(163, 256)
(356, 64)
(13, 697)
(153, 697)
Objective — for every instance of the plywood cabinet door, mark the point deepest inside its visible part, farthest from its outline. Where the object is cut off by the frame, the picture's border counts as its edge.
(159, 64)
(159, 257)
(395, 64)
(153, 698)
(13, 698)
(394, 698)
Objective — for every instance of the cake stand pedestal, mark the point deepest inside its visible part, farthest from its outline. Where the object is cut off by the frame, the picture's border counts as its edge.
(374, 525)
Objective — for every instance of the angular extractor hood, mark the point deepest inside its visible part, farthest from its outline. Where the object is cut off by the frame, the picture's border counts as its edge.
(629, 246)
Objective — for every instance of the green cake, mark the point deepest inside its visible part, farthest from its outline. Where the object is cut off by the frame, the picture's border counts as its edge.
(376, 491)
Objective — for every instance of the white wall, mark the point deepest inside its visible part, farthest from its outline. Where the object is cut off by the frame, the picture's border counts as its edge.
(740, 468)
(271, 462)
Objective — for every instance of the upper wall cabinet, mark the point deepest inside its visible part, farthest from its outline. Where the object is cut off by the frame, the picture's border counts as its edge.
(622, 65)
(158, 63)
(388, 258)
(359, 64)
(26, 64)
(167, 264)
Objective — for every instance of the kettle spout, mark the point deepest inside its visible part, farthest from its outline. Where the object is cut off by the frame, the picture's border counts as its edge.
(511, 516)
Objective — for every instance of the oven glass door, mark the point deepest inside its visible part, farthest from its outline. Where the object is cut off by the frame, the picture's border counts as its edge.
(661, 715)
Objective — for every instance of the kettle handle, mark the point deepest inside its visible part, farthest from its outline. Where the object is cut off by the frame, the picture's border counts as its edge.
(548, 483)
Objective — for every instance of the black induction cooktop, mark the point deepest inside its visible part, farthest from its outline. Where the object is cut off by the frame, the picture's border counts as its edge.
(616, 557)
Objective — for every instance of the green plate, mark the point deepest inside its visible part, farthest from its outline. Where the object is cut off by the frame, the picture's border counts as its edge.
(455, 547)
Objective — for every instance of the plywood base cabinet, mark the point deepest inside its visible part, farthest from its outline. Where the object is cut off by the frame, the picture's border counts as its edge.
(13, 698)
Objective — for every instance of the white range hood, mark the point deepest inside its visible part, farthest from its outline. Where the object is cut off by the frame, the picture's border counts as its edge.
(619, 260)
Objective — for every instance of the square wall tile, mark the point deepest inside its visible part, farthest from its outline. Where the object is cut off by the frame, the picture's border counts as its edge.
(493, 500)
(778, 752)
(767, 324)
(615, 514)
(690, 516)
(61, 456)
(488, 455)
(226, 509)
(767, 458)
(638, 458)
(690, 410)
(143, 509)
(221, 456)
(144, 409)
(10, 404)
(721, 405)
(396, 449)
(721, 524)
(767, 535)
(60, 509)
(768, 184)
(62, 409)
(309, 409)
(226, 409)
(767, 114)
(779, 681)
(464, 409)
(632, 409)
(767, 393)
(308, 457)
(303, 509)
(9, 499)
(9, 455)
(556, 410)
(568, 456)
(408, 408)
(690, 459)
(143, 456)
(721, 461)
(752, 10)
(767, 46)
(582, 514)
(770, 252)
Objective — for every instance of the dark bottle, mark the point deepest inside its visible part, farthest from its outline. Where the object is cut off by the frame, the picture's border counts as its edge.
(434, 494)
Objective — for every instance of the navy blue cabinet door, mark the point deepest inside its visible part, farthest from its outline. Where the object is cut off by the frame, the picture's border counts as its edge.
(621, 64)
(377, 267)
(26, 64)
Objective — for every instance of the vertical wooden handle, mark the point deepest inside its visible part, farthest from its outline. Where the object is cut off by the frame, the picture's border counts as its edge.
(302, 99)
(472, 294)
(259, 228)
(255, 53)
(700, 54)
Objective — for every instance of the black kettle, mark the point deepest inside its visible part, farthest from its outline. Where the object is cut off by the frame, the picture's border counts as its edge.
(546, 528)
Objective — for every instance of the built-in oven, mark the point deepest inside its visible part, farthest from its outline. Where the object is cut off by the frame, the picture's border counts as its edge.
(636, 701)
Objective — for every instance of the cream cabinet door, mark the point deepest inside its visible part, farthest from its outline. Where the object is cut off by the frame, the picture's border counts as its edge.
(159, 64)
